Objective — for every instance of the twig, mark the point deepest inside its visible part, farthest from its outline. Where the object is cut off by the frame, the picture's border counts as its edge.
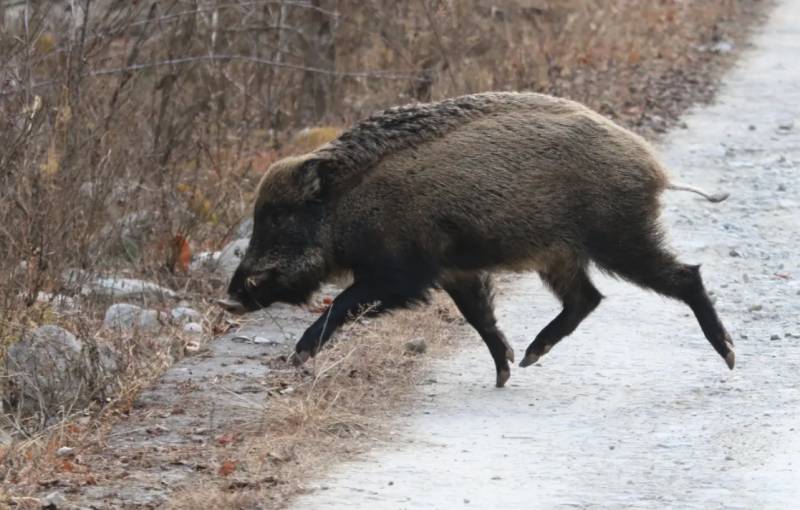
(439, 43)
(301, 5)
(383, 75)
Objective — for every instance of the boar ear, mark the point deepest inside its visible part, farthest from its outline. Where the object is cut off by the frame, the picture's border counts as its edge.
(312, 176)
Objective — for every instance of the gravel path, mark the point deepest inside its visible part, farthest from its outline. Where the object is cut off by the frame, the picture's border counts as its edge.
(635, 410)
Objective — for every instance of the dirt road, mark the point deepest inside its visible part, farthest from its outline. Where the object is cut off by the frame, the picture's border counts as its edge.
(635, 410)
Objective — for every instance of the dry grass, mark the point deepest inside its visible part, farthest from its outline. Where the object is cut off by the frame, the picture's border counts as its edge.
(315, 420)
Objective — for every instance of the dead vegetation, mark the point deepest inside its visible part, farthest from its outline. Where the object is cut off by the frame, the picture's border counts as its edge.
(328, 415)
(132, 135)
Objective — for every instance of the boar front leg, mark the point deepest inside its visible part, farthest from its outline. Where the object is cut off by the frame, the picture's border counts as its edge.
(366, 296)
(473, 296)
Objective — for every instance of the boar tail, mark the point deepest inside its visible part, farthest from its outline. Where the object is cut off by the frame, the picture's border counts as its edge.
(715, 197)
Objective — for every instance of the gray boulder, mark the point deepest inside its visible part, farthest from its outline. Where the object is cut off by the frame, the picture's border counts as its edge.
(231, 255)
(126, 288)
(182, 314)
(128, 316)
(45, 369)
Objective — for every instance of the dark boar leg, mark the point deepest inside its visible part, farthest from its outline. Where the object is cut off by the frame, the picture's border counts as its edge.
(363, 296)
(648, 265)
(473, 297)
(579, 297)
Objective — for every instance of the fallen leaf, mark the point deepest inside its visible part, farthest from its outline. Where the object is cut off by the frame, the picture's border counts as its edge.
(183, 253)
(225, 439)
(65, 466)
(227, 468)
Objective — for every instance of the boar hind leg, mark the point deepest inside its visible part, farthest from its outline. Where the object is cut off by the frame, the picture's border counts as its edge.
(473, 297)
(579, 297)
(642, 260)
(364, 296)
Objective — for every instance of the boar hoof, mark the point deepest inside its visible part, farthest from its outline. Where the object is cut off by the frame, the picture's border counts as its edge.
(298, 358)
(529, 359)
(730, 359)
(502, 377)
(510, 354)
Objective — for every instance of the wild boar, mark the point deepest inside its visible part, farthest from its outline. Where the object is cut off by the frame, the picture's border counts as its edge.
(441, 195)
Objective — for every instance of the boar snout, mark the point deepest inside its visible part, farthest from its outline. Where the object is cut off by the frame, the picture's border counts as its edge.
(232, 306)
(242, 291)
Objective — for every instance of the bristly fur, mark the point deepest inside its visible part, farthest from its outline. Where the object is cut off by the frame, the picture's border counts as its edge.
(408, 126)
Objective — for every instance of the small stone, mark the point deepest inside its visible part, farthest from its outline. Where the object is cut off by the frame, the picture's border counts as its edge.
(193, 327)
(755, 308)
(128, 316)
(786, 126)
(751, 127)
(54, 501)
(722, 47)
(417, 346)
(192, 347)
(5, 438)
(775, 337)
(206, 260)
(245, 228)
(231, 255)
(264, 341)
(184, 314)
(65, 451)
(781, 187)
(734, 253)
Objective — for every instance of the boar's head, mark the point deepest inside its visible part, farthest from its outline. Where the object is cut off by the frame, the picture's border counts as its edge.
(286, 258)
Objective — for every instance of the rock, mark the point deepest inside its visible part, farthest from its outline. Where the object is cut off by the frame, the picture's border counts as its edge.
(756, 308)
(45, 370)
(417, 346)
(192, 347)
(59, 303)
(231, 255)
(786, 126)
(245, 228)
(775, 337)
(193, 327)
(126, 288)
(65, 451)
(128, 316)
(5, 437)
(734, 253)
(206, 260)
(182, 314)
(54, 501)
(751, 127)
(722, 47)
